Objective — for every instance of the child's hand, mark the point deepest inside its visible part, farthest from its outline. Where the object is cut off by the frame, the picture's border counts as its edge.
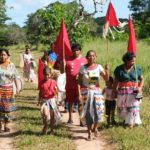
(114, 93)
(106, 67)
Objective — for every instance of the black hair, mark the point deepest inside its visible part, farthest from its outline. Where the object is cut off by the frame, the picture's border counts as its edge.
(128, 56)
(4, 50)
(111, 79)
(52, 43)
(27, 46)
(46, 70)
(76, 46)
(88, 53)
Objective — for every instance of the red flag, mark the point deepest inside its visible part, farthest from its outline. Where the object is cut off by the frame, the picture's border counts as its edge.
(111, 18)
(132, 39)
(62, 44)
(40, 71)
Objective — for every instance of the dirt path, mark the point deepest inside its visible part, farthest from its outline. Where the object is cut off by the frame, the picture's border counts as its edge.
(6, 138)
(80, 136)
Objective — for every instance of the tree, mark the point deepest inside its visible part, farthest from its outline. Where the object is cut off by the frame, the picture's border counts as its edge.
(44, 24)
(15, 34)
(141, 15)
(3, 16)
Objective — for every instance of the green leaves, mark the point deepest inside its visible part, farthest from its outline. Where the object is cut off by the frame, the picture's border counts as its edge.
(45, 23)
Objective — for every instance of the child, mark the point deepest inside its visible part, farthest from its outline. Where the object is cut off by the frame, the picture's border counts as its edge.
(110, 103)
(47, 99)
(61, 83)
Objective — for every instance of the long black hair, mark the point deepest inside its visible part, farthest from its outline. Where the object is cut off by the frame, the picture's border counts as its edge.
(128, 56)
(4, 50)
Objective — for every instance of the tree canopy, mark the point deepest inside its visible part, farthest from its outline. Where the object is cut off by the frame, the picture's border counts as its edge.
(43, 25)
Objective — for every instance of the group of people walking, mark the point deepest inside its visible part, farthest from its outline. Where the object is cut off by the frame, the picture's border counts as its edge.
(82, 86)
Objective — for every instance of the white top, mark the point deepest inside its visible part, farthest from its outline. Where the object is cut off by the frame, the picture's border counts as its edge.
(108, 93)
(27, 57)
(61, 82)
(91, 77)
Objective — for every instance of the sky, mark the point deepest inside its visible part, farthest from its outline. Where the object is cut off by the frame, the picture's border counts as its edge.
(19, 9)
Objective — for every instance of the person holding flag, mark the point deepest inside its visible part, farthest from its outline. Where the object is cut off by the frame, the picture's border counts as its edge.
(72, 61)
(128, 83)
(72, 69)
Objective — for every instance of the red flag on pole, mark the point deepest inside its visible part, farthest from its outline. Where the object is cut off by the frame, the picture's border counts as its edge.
(132, 39)
(40, 72)
(110, 19)
(62, 44)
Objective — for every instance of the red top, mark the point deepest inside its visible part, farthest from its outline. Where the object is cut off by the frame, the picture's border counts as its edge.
(47, 88)
(72, 69)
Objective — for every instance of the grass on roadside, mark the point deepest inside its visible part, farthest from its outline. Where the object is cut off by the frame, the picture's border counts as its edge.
(29, 125)
(29, 121)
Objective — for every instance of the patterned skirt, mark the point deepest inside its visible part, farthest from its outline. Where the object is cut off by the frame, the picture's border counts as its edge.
(7, 102)
(128, 106)
(52, 106)
(93, 106)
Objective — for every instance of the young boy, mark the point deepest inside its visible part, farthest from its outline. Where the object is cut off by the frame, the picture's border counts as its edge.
(47, 99)
(110, 103)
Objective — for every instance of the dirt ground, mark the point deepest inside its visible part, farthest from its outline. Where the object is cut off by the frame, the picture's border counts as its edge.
(6, 138)
(79, 136)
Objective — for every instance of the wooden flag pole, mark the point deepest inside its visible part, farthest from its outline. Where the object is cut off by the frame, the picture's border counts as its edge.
(107, 53)
(63, 56)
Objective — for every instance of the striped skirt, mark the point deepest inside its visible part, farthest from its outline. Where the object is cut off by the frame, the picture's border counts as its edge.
(93, 106)
(128, 106)
(7, 102)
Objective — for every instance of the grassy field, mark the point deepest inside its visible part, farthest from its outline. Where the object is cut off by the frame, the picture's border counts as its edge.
(29, 121)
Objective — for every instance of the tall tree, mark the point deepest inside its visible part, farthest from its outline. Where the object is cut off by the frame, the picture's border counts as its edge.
(44, 24)
(141, 15)
(3, 16)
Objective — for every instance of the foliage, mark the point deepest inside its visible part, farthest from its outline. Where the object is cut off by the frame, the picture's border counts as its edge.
(141, 15)
(43, 25)
(12, 34)
(15, 34)
(29, 122)
(3, 16)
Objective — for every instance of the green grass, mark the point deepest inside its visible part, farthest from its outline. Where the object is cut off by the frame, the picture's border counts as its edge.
(29, 121)
(29, 124)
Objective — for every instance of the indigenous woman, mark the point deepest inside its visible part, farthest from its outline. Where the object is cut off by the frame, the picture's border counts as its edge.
(90, 92)
(28, 69)
(128, 83)
(8, 75)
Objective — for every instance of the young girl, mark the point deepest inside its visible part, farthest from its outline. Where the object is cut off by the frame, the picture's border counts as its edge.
(110, 103)
(47, 99)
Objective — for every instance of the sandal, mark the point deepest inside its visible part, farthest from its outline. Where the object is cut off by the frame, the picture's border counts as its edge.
(96, 133)
(0, 126)
(70, 121)
(6, 129)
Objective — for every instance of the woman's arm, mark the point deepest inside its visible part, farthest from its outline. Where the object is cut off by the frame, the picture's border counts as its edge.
(16, 84)
(79, 82)
(141, 83)
(115, 86)
(105, 73)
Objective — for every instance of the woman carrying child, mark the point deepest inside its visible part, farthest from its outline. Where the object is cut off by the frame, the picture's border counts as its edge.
(47, 99)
